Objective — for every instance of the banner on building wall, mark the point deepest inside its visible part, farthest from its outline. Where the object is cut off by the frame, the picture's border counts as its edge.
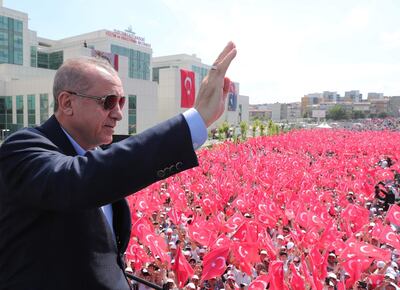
(111, 57)
(188, 90)
(232, 97)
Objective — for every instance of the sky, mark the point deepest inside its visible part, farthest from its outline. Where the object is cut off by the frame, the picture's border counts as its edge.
(286, 48)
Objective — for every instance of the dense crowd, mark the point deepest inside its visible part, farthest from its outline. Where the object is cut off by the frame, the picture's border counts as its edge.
(305, 210)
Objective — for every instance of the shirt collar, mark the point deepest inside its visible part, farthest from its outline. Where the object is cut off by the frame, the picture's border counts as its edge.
(79, 150)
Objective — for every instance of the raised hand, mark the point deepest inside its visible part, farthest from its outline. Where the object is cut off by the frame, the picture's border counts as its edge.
(210, 101)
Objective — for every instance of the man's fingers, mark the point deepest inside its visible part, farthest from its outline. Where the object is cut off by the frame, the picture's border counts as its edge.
(227, 60)
(224, 52)
(226, 56)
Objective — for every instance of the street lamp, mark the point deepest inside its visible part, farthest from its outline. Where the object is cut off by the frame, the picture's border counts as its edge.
(2, 133)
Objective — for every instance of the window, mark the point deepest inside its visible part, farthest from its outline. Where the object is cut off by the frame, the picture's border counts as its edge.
(20, 111)
(132, 114)
(138, 61)
(44, 107)
(33, 56)
(5, 112)
(31, 110)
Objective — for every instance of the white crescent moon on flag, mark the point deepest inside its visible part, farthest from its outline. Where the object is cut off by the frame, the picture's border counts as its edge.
(218, 242)
(148, 238)
(139, 227)
(301, 216)
(240, 202)
(261, 207)
(236, 220)
(242, 252)
(390, 236)
(222, 259)
(396, 215)
(141, 204)
(188, 85)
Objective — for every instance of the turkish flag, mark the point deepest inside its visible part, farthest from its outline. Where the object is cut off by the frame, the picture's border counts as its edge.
(297, 282)
(393, 215)
(234, 222)
(214, 263)
(182, 268)
(187, 89)
(260, 283)
(136, 254)
(356, 266)
(221, 241)
(376, 279)
(276, 276)
(389, 237)
(246, 252)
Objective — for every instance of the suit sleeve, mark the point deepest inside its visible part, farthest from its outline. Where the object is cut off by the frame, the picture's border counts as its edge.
(35, 173)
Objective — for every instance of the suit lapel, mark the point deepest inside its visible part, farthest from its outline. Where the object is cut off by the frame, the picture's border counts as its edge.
(122, 223)
(121, 213)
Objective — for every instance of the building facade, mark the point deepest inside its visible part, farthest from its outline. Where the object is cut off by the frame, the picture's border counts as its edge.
(28, 64)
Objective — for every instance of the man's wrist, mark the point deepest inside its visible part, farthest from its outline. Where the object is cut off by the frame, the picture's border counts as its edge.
(197, 127)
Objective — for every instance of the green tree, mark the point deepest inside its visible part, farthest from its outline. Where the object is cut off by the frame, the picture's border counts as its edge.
(337, 113)
(256, 123)
(358, 115)
(243, 129)
(223, 130)
(262, 128)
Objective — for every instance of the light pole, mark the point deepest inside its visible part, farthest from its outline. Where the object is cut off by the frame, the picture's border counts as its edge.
(2, 133)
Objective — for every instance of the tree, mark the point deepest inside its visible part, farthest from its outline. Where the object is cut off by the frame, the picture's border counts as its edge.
(358, 115)
(223, 130)
(243, 129)
(337, 113)
(262, 128)
(256, 123)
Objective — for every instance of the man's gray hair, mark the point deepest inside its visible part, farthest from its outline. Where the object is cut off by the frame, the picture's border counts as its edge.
(73, 75)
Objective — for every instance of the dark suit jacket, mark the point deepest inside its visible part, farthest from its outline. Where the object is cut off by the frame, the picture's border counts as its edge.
(52, 233)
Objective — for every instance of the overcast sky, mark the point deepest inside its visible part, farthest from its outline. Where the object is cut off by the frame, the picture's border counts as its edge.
(286, 48)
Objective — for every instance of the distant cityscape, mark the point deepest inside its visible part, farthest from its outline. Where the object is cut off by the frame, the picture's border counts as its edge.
(329, 105)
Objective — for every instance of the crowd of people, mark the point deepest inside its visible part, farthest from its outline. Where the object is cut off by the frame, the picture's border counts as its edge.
(271, 183)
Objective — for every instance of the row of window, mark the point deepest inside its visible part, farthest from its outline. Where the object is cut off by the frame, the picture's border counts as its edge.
(11, 40)
(51, 60)
(138, 61)
(6, 111)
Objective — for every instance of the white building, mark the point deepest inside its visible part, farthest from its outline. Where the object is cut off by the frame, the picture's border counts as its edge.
(28, 64)
(166, 71)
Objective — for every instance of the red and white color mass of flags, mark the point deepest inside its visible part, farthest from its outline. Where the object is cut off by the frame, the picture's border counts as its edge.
(188, 89)
(300, 180)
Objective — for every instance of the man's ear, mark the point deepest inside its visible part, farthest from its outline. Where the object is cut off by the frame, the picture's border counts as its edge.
(65, 103)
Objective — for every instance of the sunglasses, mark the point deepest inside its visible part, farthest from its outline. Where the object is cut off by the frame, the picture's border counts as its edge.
(109, 102)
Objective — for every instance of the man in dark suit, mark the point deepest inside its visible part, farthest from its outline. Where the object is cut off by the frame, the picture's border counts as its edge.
(64, 223)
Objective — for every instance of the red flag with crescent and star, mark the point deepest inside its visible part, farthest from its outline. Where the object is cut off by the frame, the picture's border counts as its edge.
(393, 215)
(188, 90)
(214, 263)
(182, 268)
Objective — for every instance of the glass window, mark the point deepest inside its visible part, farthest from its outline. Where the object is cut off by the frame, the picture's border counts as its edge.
(20, 111)
(33, 56)
(56, 59)
(5, 112)
(31, 110)
(3, 22)
(44, 107)
(138, 61)
(132, 114)
(42, 59)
